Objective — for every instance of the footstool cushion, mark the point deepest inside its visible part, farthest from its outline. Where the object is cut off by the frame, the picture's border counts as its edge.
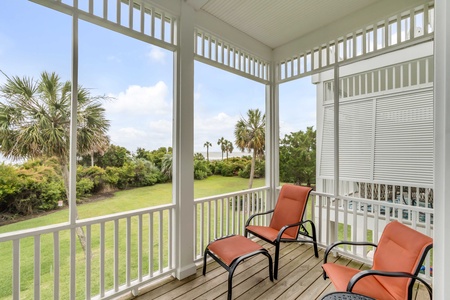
(229, 251)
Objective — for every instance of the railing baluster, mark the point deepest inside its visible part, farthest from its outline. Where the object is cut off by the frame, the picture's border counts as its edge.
(128, 251)
(88, 259)
(116, 255)
(73, 254)
(102, 259)
(150, 245)
(37, 267)
(139, 247)
(161, 243)
(16, 269)
(56, 258)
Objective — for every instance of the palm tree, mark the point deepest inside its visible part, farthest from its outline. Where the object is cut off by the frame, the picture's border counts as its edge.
(166, 165)
(250, 135)
(221, 143)
(207, 145)
(35, 121)
(228, 147)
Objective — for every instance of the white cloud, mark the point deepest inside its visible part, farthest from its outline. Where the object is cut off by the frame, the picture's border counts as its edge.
(138, 100)
(161, 126)
(113, 58)
(157, 55)
(213, 128)
(150, 138)
(220, 122)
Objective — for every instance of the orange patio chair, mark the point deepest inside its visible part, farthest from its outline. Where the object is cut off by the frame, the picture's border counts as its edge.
(396, 264)
(287, 221)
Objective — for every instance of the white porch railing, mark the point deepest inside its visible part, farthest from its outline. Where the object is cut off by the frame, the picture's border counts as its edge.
(128, 250)
(123, 252)
(226, 214)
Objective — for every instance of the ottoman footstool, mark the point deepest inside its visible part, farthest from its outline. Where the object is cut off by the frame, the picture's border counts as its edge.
(229, 251)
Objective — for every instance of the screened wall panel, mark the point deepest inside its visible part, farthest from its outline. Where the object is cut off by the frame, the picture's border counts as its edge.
(326, 169)
(355, 139)
(404, 138)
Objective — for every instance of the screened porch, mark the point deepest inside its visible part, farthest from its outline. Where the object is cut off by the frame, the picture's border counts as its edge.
(380, 69)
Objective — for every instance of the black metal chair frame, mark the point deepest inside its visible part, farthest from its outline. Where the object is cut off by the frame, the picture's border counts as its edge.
(232, 267)
(302, 231)
(366, 273)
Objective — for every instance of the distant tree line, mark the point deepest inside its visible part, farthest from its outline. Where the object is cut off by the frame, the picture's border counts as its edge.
(35, 128)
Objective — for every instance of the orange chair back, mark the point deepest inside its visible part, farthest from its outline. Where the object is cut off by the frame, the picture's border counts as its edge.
(400, 249)
(290, 208)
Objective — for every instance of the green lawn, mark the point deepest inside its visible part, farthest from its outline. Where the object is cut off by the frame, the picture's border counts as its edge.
(136, 199)
(121, 201)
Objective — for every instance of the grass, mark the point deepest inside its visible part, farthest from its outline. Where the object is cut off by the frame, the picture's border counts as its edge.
(135, 199)
(121, 201)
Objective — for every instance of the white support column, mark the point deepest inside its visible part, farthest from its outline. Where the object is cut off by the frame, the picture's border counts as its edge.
(272, 135)
(336, 129)
(73, 153)
(183, 145)
(441, 265)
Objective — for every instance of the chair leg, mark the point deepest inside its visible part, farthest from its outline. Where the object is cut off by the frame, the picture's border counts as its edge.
(277, 256)
(230, 285)
(270, 265)
(204, 261)
(313, 228)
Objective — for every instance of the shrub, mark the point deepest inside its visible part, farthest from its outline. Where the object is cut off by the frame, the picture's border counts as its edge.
(260, 169)
(227, 169)
(34, 186)
(95, 174)
(201, 169)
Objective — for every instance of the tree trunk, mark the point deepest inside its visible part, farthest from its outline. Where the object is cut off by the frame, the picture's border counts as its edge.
(252, 170)
(79, 230)
(92, 158)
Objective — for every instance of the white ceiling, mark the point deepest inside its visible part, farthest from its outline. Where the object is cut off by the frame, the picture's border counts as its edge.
(277, 22)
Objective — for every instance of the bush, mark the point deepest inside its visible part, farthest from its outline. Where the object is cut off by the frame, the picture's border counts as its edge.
(145, 173)
(84, 188)
(227, 169)
(34, 186)
(260, 169)
(95, 174)
(201, 169)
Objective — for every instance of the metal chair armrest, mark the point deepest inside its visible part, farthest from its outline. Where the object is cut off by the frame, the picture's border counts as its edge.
(280, 233)
(258, 214)
(330, 247)
(366, 273)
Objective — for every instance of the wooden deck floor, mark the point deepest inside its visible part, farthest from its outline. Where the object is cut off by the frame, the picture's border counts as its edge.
(299, 277)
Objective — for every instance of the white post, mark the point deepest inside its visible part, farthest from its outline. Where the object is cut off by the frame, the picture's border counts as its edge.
(336, 130)
(183, 145)
(73, 152)
(441, 265)
(272, 136)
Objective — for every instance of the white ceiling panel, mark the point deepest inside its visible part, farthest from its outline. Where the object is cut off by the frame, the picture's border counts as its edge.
(276, 23)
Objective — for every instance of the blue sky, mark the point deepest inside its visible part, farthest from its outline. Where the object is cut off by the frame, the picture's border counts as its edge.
(138, 79)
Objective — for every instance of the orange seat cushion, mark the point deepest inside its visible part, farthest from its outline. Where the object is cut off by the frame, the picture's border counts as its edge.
(268, 233)
(369, 286)
(230, 248)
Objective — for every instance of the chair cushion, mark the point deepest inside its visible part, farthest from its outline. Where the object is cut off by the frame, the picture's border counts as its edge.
(369, 286)
(400, 250)
(230, 248)
(290, 207)
(267, 233)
